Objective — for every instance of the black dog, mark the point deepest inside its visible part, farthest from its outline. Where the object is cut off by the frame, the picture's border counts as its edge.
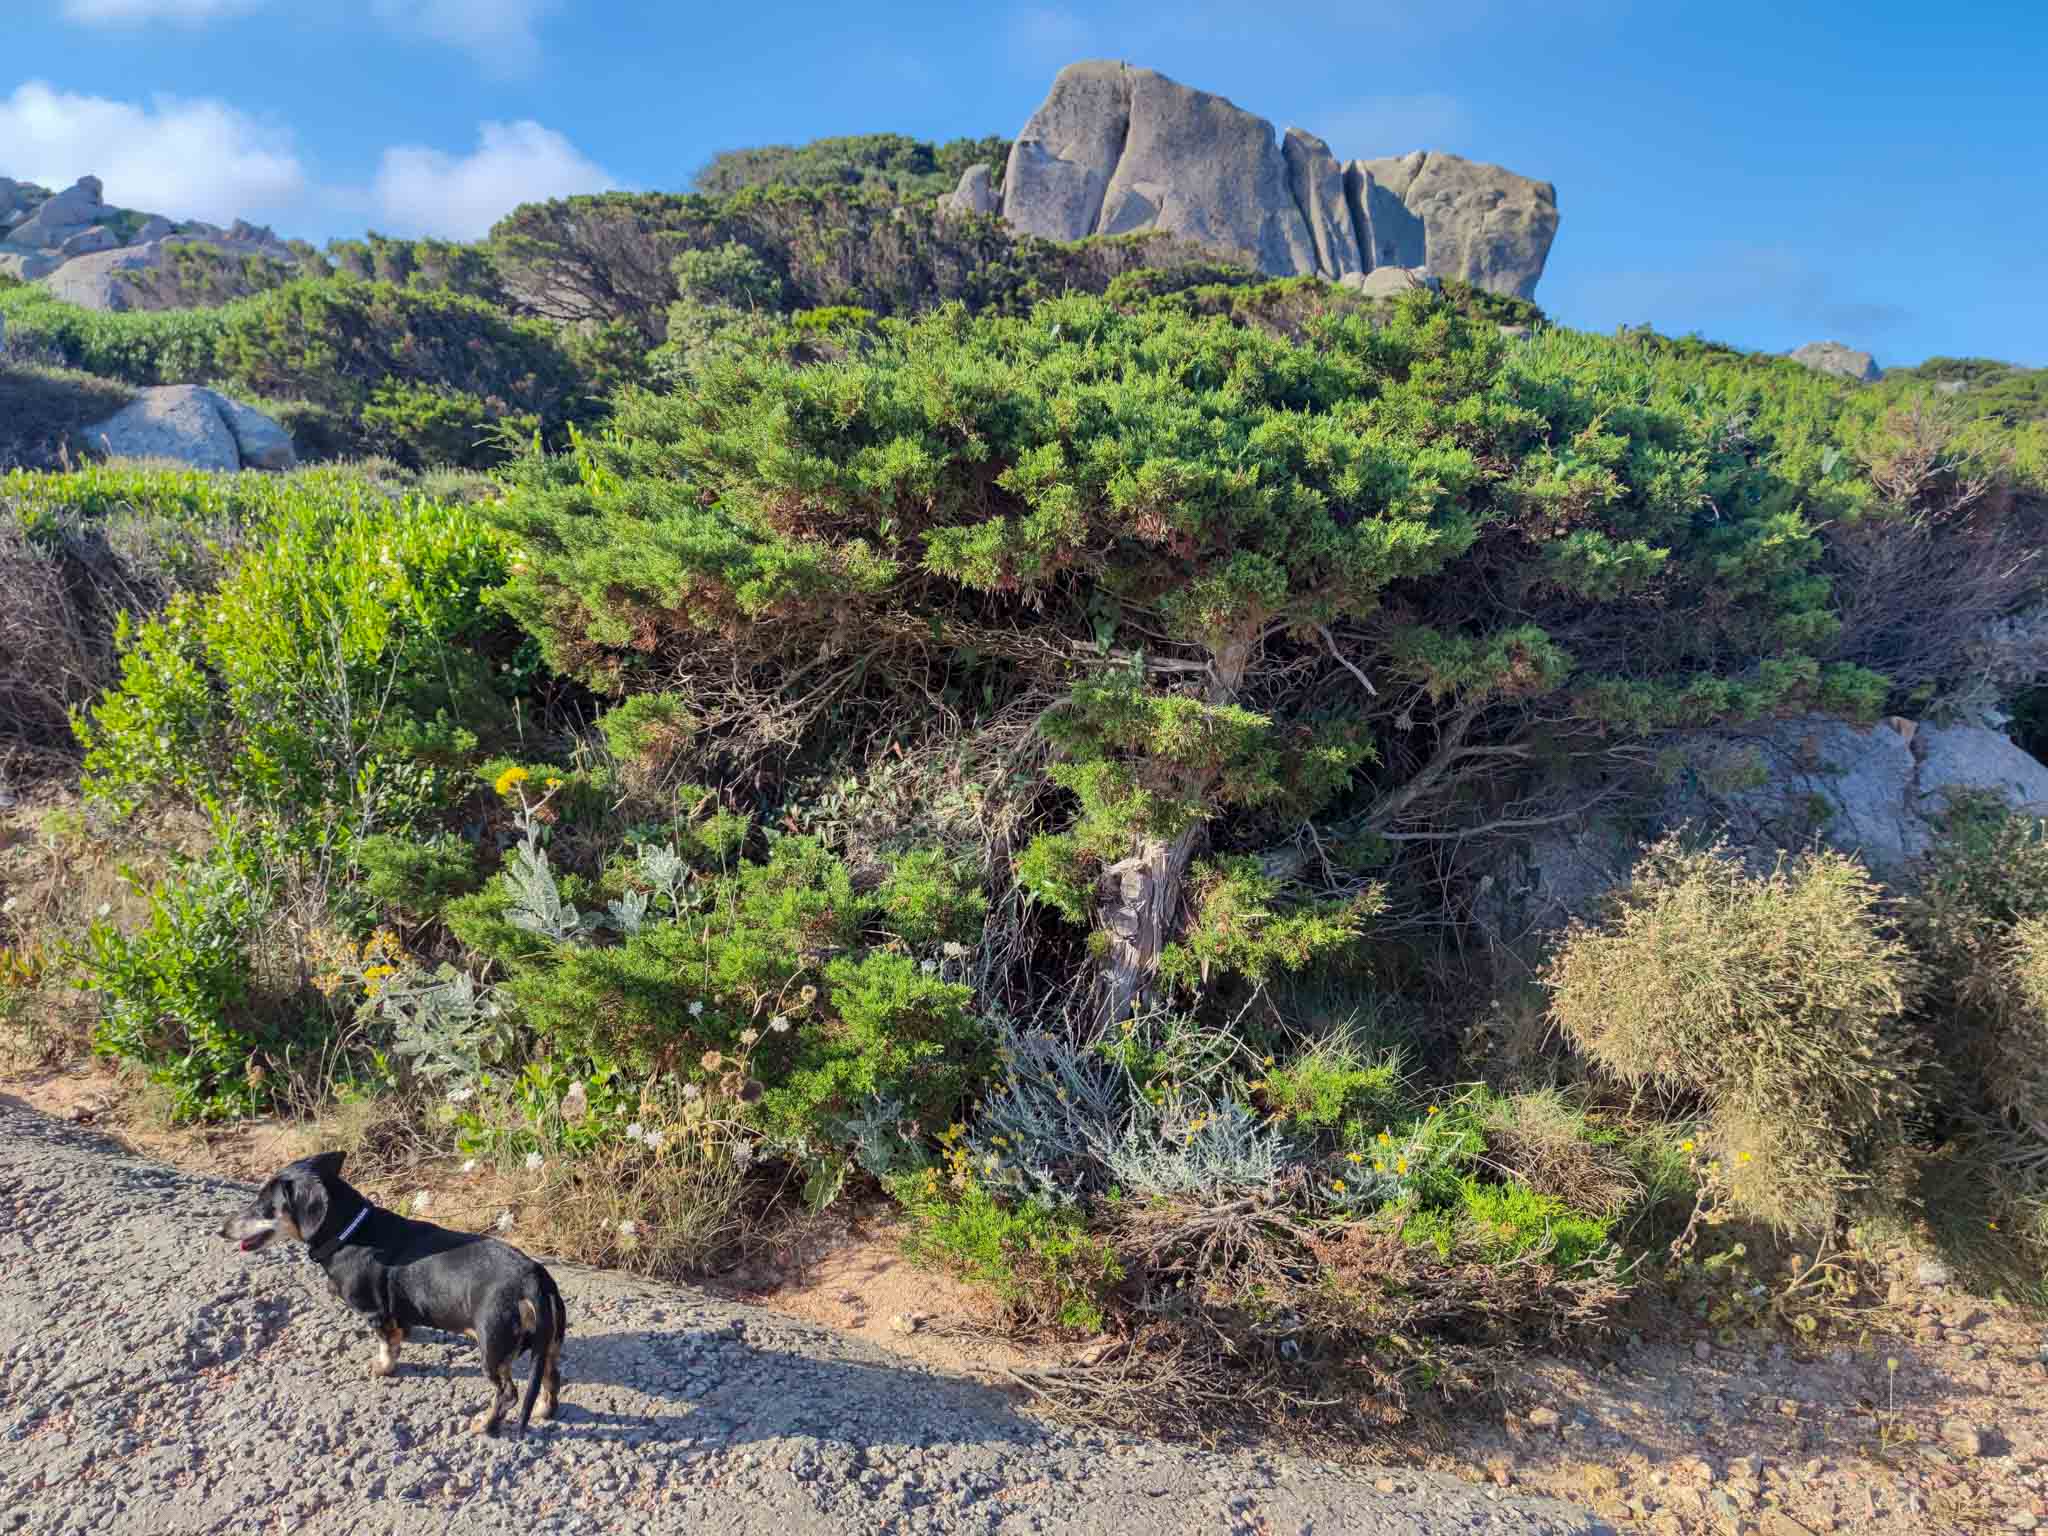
(413, 1274)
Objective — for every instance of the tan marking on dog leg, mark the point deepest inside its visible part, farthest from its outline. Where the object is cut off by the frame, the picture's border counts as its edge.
(391, 1336)
(551, 1380)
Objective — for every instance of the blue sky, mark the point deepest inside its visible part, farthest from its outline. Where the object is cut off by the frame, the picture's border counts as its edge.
(1764, 173)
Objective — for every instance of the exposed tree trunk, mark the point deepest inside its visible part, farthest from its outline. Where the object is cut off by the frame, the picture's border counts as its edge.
(1139, 897)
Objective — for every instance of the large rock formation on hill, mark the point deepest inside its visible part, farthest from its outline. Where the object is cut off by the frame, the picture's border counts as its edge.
(1114, 150)
(1843, 362)
(87, 251)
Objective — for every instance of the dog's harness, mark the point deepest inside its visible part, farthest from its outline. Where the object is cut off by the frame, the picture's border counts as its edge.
(331, 1246)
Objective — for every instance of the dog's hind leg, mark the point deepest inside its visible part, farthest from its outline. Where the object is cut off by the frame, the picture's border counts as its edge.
(389, 1336)
(499, 1348)
(551, 1380)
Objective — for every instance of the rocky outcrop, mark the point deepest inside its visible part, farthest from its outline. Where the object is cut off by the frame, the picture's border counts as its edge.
(1843, 362)
(88, 252)
(1390, 282)
(975, 194)
(1116, 150)
(1316, 181)
(194, 426)
(1878, 792)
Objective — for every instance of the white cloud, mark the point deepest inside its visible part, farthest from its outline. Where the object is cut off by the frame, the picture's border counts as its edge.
(428, 191)
(1392, 125)
(186, 158)
(121, 13)
(501, 35)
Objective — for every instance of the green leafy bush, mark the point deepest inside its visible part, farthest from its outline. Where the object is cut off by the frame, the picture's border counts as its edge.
(1777, 1002)
(323, 677)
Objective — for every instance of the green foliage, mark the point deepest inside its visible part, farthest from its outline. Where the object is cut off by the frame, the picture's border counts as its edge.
(434, 376)
(775, 984)
(1333, 1087)
(182, 997)
(134, 347)
(886, 162)
(1778, 1002)
(413, 876)
(1040, 1260)
(1504, 1223)
(1234, 925)
(327, 676)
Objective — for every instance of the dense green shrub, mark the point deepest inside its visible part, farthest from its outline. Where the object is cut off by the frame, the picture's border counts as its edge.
(432, 376)
(187, 997)
(777, 985)
(327, 678)
(139, 347)
(1154, 516)
(1776, 1002)
(878, 161)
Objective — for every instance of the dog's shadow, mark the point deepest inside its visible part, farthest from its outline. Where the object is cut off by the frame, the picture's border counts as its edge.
(652, 1385)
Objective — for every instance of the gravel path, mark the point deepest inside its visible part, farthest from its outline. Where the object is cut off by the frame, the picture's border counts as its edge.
(154, 1379)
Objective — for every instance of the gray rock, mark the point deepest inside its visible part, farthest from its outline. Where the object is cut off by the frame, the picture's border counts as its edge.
(96, 280)
(1117, 150)
(98, 238)
(1959, 759)
(260, 442)
(63, 214)
(175, 421)
(975, 194)
(1390, 282)
(1061, 163)
(1877, 792)
(1199, 166)
(1393, 235)
(1932, 1273)
(194, 426)
(1316, 182)
(1844, 362)
(1477, 222)
(155, 227)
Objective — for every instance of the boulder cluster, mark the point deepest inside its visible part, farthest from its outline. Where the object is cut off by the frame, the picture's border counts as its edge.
(1115, 150)
(86, 251)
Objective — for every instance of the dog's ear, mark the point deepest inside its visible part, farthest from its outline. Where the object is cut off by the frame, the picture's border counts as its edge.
(308, 1201)
(326, 1164)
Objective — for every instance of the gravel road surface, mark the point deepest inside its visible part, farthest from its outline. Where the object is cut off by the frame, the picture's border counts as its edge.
(155, 1379)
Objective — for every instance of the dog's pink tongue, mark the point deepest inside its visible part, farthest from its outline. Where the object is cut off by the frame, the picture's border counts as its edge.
(248, 1243)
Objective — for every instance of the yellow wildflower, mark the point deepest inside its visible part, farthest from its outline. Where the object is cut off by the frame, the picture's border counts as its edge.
(1400, 1165)
(511, 779)
(1337, 1185)
(1742, 1157)
(1269, 1061)
(1386, 1140)
(1378, 1166)
(1434, 1110)
(1354, 1157)
(1685, 1145)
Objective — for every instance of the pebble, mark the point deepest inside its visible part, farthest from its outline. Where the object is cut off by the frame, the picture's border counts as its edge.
(1703, 1351)
(1962, 1436)
(1544, 1418)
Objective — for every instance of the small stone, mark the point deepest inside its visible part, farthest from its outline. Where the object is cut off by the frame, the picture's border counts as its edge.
(1385, 1485)
(1544, 1418)
(2021, 1520)
(1751, 1467)
(1963, 1437)
(1703, 1351)
(903, 1322)
(1932, 1272)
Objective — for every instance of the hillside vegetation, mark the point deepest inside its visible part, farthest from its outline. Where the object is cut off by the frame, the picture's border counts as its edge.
(1015, 729)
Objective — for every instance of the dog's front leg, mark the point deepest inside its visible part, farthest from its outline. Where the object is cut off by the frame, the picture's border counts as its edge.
(389, 1336)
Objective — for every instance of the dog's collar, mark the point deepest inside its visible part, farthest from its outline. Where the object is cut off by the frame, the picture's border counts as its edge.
(334, 1243)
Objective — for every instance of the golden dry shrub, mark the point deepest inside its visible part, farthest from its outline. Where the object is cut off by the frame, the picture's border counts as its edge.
(2016, 1058)
(1779, 1003)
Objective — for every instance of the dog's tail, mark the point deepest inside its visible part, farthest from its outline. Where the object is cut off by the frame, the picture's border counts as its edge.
(541, 1321)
